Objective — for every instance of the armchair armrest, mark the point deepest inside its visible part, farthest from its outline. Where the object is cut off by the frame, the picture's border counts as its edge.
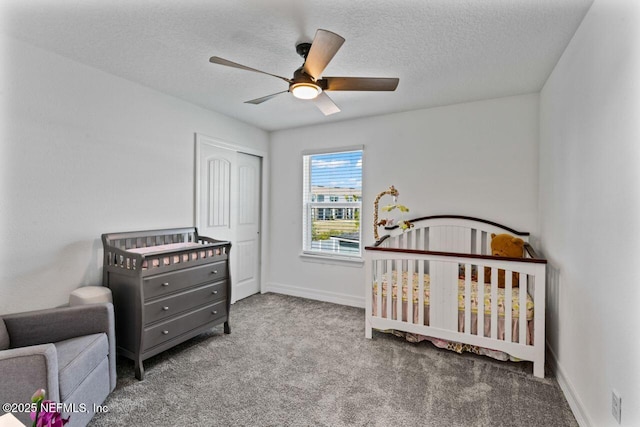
(25, 370)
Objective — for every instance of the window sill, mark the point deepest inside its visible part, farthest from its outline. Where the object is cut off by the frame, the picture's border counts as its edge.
(332, 259)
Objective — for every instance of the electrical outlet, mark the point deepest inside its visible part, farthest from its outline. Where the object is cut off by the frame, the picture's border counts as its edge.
(616, 405)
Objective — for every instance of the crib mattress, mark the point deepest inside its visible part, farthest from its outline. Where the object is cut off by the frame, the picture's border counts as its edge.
(515, 295)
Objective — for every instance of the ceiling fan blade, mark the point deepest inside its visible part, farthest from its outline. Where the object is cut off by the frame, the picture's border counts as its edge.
(326, 104)
(222, 61)
(323, 48)
(359, 83)
(264, 98)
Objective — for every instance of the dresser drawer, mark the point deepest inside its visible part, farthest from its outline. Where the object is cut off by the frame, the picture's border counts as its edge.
(162, 284)
(173, 328)
(186, 300)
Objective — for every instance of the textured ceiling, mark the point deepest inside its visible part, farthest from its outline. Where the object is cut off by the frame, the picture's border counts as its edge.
(443, 51)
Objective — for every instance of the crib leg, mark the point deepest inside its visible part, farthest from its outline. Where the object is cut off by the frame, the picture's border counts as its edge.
(538, 369)
(368, 330)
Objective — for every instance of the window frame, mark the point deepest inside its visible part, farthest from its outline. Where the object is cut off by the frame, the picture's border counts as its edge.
(308, 205)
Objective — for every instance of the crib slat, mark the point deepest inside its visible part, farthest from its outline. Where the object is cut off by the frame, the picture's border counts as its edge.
(522, 338)
(480, 296)
(427, 242)
(487, 241)
(410, 271)
(467, 298)
(389, 273)
(389, 288)
(378, 279)
(421, 285)
(399, 268)
(494, 303)
(508, 295)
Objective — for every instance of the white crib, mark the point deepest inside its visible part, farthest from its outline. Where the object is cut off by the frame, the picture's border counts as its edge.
(441, 264)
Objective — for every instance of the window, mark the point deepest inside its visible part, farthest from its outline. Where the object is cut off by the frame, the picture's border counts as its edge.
(332, 194)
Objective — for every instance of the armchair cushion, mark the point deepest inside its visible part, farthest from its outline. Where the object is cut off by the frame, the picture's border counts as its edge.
(77, 358)
(4, 336)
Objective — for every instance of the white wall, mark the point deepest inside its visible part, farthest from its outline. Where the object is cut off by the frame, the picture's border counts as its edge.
(84, 153)
(477, 159)
(590, 212)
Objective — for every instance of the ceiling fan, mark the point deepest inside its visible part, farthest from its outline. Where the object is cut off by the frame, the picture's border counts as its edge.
(307, 83)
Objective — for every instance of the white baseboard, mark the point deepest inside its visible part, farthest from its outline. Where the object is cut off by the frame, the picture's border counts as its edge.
(575, 403)
(315, 294)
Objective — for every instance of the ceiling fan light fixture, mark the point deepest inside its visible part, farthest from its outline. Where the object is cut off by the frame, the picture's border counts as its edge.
(308, 83)
(305, 90)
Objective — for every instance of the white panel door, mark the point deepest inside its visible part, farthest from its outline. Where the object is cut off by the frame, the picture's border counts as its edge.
(247, 234)
(229, 209)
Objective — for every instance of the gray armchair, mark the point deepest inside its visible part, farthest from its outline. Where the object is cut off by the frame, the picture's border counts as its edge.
(68, 351)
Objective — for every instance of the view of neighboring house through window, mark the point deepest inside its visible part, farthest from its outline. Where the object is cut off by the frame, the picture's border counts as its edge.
(332, 198)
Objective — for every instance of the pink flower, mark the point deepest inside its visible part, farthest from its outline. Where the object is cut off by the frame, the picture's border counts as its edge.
(49, 418)
(45, 414)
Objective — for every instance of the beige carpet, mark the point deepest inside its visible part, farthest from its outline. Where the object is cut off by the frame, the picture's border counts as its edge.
(295, 362)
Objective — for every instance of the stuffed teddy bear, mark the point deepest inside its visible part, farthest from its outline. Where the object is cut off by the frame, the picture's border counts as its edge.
(505, 245)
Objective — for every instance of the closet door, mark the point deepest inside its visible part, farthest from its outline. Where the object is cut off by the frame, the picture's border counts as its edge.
(228, 208)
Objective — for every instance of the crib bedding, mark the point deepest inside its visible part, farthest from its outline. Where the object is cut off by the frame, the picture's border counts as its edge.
(515, 296)
(451, 345)
(455, 346)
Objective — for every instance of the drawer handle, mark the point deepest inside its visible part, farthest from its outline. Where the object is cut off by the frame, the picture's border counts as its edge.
(214, 292)
(165, 284)
(165, 332)
(165, 308)
(214, 312)
(214, 272)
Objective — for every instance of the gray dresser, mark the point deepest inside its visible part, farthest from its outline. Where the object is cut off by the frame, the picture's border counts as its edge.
(168, 286)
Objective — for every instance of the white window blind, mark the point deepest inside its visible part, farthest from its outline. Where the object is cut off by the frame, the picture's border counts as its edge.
(332, 198)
